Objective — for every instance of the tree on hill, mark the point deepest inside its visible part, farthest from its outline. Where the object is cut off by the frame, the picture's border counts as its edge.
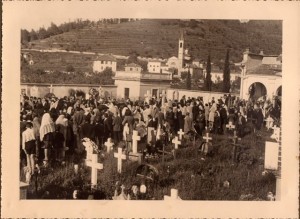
(188, 80)
(226, 74)
(208, 82)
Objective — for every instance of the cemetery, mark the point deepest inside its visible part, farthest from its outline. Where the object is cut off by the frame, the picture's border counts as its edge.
(217, 167)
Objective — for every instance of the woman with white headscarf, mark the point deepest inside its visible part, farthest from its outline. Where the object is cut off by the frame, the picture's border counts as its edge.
(46, 135)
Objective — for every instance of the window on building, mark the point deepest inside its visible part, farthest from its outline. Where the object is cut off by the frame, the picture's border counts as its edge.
(153, 69)
(180, 45)
(130, 69)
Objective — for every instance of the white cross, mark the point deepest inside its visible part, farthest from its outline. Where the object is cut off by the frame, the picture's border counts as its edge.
(235, 137)
(120, 157)
(135, 139)
(174, 195)
(230, 126)
(180, 133)
(269, 122)
(207, 138)
(147, 96)
(95, 166)
(109, 144)
(176, 142)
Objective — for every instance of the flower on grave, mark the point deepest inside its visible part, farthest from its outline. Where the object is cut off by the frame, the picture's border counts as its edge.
(89, 143)
(143, 189)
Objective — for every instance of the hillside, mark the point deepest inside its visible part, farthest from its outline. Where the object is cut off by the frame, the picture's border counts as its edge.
(159, 38)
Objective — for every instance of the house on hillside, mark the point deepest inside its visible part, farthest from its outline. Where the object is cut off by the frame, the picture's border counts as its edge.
(135, 84)
(103, 62)
(157, 66)
(261, 75)
(217, 74)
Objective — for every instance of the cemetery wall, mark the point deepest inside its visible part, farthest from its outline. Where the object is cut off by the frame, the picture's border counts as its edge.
(207, 96)
(61, 90)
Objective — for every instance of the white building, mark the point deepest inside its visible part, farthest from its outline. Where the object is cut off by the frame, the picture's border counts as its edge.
(261, 75)
(103, 62)
(133, 83)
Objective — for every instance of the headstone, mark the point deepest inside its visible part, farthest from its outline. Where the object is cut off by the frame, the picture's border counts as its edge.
(230, 126)
(23, 190)
(180, 134)
(120, 157)
(207, 137)
(174, 196)
(109, 145)
(271, 155)
(176, 142)
(134, 155)
(269, 122)
(276, 133)
(95, 166)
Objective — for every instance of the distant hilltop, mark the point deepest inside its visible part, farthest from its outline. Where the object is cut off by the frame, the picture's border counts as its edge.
(155, 38)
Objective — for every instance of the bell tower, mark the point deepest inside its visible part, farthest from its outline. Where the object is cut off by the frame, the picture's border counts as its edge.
(180, 51)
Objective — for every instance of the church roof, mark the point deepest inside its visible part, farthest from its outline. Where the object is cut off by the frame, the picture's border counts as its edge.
(106, 58)
(265, 69)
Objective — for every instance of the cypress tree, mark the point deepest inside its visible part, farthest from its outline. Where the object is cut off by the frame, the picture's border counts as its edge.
(226, 74)
(208, 75)
(188, 80)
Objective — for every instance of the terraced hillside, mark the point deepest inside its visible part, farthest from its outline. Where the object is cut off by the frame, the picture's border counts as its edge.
(159, 38)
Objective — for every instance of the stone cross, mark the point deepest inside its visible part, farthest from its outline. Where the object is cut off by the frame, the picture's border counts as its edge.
(120, 157)
(180, 133)
(95, 166)
(174, 195)
(235, 138)
(135, 139)
(207, 137)
(230, 126)
(109, 144)
(176, 142)
(269, 122)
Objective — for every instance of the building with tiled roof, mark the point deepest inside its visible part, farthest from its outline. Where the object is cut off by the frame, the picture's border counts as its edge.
(105, 61)
(261, 75)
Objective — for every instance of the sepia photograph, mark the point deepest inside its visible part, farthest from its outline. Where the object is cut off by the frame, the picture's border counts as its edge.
(151, 109)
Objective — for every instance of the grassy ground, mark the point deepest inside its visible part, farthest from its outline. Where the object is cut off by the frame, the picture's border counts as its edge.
(195, 178)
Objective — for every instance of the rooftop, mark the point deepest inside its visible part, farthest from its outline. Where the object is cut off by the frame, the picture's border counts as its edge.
(265, 69)
(133, 65)
(106, 58)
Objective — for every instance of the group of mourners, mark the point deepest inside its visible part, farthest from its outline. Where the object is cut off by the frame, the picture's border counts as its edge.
(50, 125)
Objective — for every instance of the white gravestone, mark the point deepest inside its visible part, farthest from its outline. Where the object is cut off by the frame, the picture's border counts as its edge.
(176, 142)
(174, 195)
(180, 134)
(120, 157)
(230, 126)
(134, 155)
(271, 155)
(95, 166)
(207, 137)
(109, 145)
(147, 97)
(269, 122)
(89, 150)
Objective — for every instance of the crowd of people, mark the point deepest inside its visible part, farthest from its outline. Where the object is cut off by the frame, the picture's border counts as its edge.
(49, 125)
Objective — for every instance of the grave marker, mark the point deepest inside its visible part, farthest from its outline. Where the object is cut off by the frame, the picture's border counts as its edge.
(109, 145)
(174, 196)
(134, 155)
(120, 157)
(176, 142)
(271, 155)
(180, 133)
(95, 166)
(207, 137)
(269, 122)
(276, 133)
(230, 126)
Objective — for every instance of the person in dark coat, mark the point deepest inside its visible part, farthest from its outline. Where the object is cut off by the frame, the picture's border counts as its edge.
(117, 123)
(99, 132)
(170, 119)
(240, 125)
(87, 130)
(223, 118)
(259, 117)
(107, 127)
